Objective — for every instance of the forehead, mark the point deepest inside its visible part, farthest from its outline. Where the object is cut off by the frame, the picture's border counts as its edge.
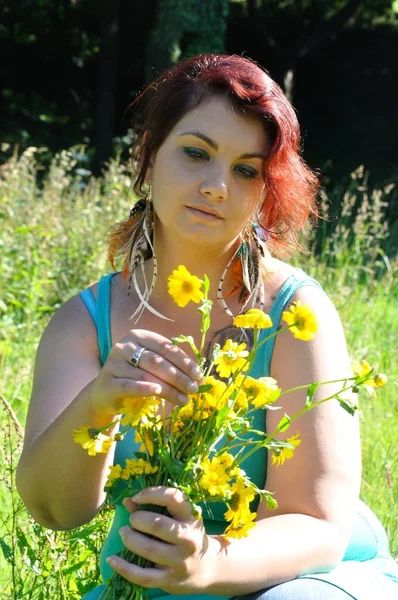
(217, 118)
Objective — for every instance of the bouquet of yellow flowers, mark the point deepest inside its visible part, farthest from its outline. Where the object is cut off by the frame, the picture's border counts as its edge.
(199, 448)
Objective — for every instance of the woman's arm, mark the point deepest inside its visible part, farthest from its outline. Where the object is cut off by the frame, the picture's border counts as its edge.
(61, 485)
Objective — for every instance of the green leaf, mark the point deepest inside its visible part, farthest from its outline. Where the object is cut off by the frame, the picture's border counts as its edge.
(179, 339)
(73, 568)
(206, 284)
(205, 388)
(221, 415)
(7, 551)
(310, 393)
(284, 423)
(350, 409)
(142, 455)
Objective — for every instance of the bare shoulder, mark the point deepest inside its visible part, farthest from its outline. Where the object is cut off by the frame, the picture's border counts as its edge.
(72, 320)
(275, 273)
(327, 352)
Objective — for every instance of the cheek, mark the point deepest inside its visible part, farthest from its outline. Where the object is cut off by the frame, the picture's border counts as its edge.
(249, 199)
(172, 171)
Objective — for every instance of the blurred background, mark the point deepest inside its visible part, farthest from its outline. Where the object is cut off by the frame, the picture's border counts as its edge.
(70, 68)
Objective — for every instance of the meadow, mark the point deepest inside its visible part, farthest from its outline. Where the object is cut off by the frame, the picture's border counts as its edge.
(52, 246)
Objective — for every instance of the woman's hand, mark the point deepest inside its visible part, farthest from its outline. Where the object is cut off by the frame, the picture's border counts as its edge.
(163, 370)
(181, 552)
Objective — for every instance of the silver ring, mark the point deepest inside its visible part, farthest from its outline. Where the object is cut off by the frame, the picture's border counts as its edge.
(135, 359)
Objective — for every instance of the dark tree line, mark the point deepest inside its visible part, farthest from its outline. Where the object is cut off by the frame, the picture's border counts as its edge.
(70, 68)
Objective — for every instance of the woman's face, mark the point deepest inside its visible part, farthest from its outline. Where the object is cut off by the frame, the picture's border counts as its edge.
(207, 176)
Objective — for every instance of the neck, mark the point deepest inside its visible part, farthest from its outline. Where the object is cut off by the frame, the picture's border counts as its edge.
(199, 261)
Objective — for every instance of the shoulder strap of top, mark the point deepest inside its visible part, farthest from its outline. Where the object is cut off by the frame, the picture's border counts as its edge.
(286, 293)
(100, 313)
(88, 299)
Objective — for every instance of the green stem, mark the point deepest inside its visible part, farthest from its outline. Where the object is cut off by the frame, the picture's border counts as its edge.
(305, 409)
(307, 385)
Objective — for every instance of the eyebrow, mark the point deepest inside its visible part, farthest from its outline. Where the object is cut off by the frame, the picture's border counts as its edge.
(213, 144)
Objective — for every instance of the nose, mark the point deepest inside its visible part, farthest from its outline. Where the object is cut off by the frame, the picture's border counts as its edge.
(215, 185)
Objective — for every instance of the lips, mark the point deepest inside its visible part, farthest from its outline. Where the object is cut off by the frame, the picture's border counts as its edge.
(206, 210)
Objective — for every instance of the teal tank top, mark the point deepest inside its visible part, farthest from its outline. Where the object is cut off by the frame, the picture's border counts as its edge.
(368, 541)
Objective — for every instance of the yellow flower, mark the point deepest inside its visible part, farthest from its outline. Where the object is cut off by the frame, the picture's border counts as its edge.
(238, 516)
(226, 460)
(241, 492)
(283, 454)
(242, 531)
(186, 412)
(92, 440)
(231, 358)
(135, 408)
(362, 369)
(184, 287)
(380, 380)
(140, 467)
(214, 398)
(239, 505)
(262, 391)
(253, 318)
(241, 401)
(178, 427)
(214, 479)
(145, 441)
(115, 473)
(239, 510)
(125, 474)
(301, 320)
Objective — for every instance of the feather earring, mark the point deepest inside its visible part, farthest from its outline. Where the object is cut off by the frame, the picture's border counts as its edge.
(249, 253)
(141, 248)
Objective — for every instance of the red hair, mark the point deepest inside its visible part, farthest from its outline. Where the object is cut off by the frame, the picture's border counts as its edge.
(291, 187)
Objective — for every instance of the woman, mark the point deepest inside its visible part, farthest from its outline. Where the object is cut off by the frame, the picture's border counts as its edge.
(218, 146)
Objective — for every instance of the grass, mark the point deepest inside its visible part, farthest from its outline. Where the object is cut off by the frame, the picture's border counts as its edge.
(52, 245)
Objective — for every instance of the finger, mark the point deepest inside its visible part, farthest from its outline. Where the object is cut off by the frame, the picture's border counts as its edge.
(158, 552)
(160, 526)
(165, 371)
(172, 498)
(131, 387)
(162, 346)
(129, 505)
(149, 578)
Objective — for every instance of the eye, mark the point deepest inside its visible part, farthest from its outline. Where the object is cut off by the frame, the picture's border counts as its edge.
(246, 171)
(196, 153)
